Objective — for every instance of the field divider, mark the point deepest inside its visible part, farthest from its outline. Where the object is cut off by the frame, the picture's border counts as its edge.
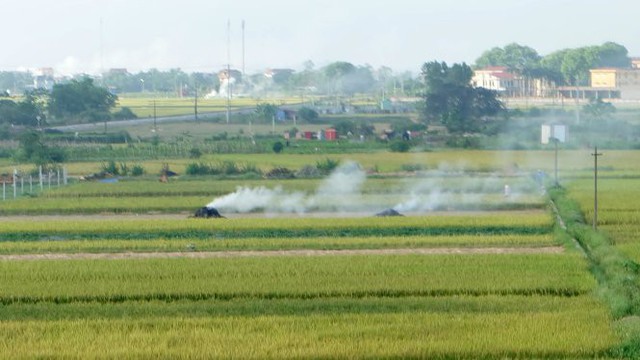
(224, 296)
(277, 253)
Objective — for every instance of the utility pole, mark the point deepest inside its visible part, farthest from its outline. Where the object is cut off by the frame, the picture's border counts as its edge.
(196, 99)
(155, 125)
(228, 69)
(555, 141)
(243, 73)
(595, 188)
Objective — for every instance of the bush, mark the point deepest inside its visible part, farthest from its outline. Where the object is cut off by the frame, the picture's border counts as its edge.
(400, 146)
(110, 167)
(308, 114)
(221, 168)
(327, 165)
(277, 147)
(195, 153)
(280, 173)
(124, 114)
(308, 171)
(137, 170)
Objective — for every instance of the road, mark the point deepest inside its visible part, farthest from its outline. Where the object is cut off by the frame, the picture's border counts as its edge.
(149, 120)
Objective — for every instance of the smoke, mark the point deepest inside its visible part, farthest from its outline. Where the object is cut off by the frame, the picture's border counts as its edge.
(450, 187)
(245, 200)
(338, 192)
(453, 188)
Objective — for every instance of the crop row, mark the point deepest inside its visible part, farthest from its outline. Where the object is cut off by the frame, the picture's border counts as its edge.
(316, 243)
(526, 223)
(618, 211)
(304, 277)
(567, 334)
(345, 203)
(211, 188)
(507, 304)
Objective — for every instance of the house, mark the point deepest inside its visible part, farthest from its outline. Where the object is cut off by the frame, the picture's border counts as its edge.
(635, 62)
(279, 76)
(624, 81)
(43, 78)
(500, 79)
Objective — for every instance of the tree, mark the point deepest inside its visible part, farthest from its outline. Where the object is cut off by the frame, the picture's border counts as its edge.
(574, 64)
(33, 149)
(599, 110)
(345, 78)
(451, 100)
(266, 112)
(516, 57)
(24, 113)
(308, 114)
(81, 99)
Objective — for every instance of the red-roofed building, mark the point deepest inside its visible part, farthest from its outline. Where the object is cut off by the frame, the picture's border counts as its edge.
(500, 79)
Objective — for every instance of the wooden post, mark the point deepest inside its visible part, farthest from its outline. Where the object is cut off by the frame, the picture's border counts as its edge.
(595, 188)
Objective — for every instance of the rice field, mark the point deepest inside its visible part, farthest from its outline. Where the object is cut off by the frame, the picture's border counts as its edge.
(144, 107)
(618, 210)
(377, 304)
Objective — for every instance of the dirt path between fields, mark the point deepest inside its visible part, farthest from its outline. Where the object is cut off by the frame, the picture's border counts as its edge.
(274, 253)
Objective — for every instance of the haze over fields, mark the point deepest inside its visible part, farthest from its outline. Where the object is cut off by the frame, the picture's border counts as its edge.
(88, 35)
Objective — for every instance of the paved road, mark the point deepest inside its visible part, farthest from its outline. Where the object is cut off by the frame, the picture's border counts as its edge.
(149, 120)
(164, 119)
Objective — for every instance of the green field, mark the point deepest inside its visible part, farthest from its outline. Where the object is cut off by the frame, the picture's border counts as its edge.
(119, 270)
(144, 107)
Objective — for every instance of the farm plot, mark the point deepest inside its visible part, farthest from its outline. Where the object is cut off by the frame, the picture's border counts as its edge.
(619, 212)
(533, 304)
(372, 306)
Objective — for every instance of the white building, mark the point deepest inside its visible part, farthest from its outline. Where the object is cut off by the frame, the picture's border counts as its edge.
(500, 79)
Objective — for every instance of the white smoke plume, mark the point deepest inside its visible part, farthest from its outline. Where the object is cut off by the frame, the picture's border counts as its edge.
(338, 192)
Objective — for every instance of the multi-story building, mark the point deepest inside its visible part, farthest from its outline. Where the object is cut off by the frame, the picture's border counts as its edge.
(500, 79)
(624, 81)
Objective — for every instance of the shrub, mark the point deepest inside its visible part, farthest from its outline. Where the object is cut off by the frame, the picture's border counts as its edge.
(280, 173)
(327, 165)
(400, 146)
(308, 171)
(308, 114)
(277, 147)
(195, 153)
(137, 170)
(110, 167)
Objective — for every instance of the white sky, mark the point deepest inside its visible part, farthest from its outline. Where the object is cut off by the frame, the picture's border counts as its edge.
(401, 34)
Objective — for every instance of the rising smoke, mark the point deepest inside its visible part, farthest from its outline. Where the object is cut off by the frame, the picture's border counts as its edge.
(338, 192)
(446, 188)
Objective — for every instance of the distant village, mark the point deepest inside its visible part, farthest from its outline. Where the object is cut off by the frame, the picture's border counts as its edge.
(605, 83)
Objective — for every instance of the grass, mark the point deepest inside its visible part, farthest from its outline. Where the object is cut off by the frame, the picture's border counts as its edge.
(526, 223)
(571, 334)
(298, 278)
(144, 107)
(260, 244)
(391, 306)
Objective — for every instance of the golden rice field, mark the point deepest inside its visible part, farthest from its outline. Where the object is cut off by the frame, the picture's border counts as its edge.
(466, 305)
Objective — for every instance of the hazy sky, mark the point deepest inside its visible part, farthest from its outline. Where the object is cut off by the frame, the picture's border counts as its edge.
(401, 34)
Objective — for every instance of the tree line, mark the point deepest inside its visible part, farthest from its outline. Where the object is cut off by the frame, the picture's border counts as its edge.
(563, 67)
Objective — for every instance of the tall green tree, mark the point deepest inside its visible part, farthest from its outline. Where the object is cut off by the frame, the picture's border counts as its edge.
(574, 64)
(451, 100)
(32, 148)
(81, 99)
(516, 57)
(24, 113)
(266, 111)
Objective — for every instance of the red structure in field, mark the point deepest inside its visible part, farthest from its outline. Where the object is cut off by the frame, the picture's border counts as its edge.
(331, 134)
